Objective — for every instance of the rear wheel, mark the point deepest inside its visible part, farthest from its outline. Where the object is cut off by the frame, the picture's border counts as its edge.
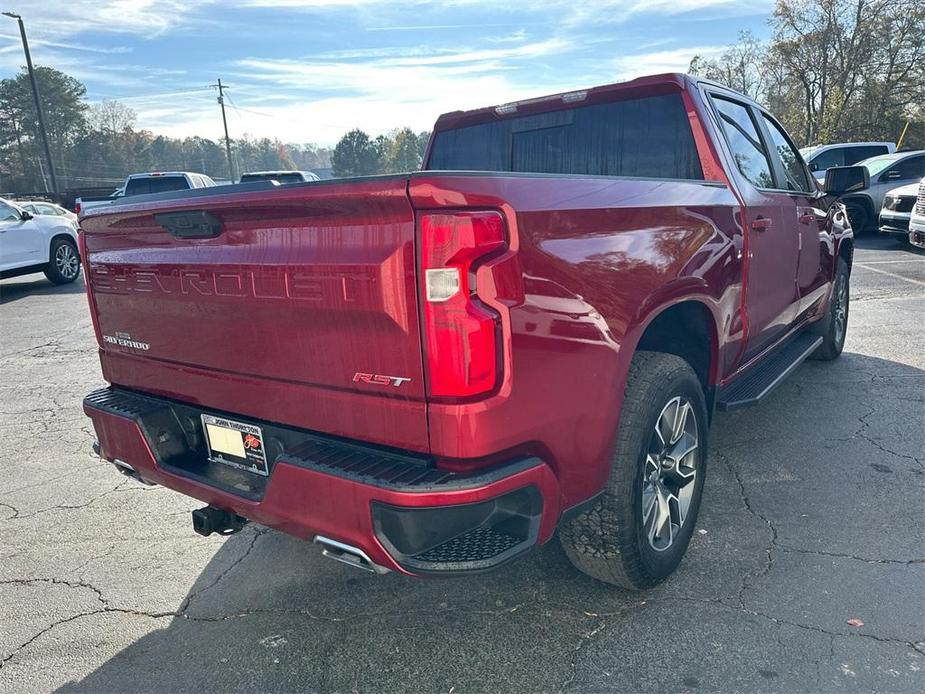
(637, 531)
(834, 327)
(64, 262)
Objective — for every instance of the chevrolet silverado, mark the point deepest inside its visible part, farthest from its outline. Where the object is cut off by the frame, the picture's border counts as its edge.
(433, 372)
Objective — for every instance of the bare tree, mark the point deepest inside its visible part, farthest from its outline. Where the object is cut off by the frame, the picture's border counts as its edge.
(741, 66)
(111, 117)
(835, 70)
(859, 65)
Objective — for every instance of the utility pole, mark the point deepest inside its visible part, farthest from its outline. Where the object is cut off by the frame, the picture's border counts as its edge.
(221, 102)
(38, 102)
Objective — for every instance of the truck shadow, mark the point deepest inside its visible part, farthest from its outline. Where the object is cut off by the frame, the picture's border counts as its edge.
(269, 613)
(36, 285)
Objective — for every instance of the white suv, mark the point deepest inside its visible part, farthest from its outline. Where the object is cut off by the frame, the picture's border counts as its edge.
(917, 220)
(41, 243)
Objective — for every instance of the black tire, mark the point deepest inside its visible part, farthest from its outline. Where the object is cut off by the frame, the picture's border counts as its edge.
(611, 540)
(63, 261)
(858, 216)
(834, 327)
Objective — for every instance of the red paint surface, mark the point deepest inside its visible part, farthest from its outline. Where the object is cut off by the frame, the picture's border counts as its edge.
(312, 284)
(306, 503)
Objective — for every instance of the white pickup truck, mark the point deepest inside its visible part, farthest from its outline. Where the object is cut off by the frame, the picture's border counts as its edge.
(144, 183)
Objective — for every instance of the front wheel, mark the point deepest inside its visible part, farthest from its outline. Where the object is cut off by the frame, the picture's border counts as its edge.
(637, 532)
(64, 262)
(858, 216)
(834, 327)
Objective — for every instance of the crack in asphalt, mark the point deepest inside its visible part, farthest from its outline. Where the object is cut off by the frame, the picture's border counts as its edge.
(6, 492)
(258, 533)
(866, 560)
(598, 621)
(66, 507)
(748, 579)
(861, 433)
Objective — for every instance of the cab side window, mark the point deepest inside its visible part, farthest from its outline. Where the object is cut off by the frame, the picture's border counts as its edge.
(828, 159)
(743, 139)
(913, 167)
(794, 172)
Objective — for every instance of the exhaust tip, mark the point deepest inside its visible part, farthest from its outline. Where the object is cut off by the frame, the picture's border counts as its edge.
(347, 554)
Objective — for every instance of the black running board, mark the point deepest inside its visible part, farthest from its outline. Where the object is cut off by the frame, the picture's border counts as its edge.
(756, 383)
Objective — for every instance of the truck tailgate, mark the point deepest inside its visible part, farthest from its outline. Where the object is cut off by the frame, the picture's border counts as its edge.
(302, 310)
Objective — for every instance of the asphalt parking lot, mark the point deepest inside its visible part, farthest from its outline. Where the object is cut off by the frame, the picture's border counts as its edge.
(813, 515)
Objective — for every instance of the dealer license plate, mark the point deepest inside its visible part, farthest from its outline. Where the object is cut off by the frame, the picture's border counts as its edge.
(237, 444)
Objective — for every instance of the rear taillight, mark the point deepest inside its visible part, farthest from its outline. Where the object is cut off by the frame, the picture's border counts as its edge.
(462, 333)
(76, 208)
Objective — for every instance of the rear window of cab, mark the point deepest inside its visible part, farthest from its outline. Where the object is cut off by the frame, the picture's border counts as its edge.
(647, 137)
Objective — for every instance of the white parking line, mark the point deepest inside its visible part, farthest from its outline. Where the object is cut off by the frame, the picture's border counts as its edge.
(889, 274)
(891, 262)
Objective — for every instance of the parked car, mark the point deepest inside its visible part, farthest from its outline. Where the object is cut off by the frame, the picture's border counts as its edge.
(430, 372)
(37, 243)
(146, 183)
(41, 207)
(279, 176)
(897, 210)
(886, 172)
(820, 158)
(917, 220)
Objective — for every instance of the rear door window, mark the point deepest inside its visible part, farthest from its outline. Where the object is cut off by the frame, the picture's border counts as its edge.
(855, 154)
(796, 177)
(744, 141)
(649, 137)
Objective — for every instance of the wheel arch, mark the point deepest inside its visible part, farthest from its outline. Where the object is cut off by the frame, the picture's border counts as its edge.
(845, 250)
(866, 202)
(688, 329)
(62, 234)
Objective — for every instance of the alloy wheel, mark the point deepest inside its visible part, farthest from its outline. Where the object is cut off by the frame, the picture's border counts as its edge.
(841, 308)
(670, 472)
(66, 261)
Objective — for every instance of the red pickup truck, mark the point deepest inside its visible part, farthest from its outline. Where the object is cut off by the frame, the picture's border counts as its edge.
(432, 372)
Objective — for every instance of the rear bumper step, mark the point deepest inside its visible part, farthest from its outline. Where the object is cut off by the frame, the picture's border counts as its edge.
(758, 382)
(396, 510)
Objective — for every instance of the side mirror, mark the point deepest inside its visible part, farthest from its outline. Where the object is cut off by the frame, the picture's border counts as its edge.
(25, 216)
(813, 166)
(846, 179)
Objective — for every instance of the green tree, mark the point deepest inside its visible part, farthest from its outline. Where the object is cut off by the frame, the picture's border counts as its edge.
(65, 120)
(308, 156)
(403, 152)
(357, 155)
(423, 139)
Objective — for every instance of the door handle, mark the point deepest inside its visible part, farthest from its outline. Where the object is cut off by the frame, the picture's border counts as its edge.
(761, 223)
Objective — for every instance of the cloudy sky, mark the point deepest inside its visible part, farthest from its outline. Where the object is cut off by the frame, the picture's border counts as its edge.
(309, 70)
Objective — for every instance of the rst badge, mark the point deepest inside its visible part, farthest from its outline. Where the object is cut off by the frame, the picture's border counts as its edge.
(125, 340)
(379, 379)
